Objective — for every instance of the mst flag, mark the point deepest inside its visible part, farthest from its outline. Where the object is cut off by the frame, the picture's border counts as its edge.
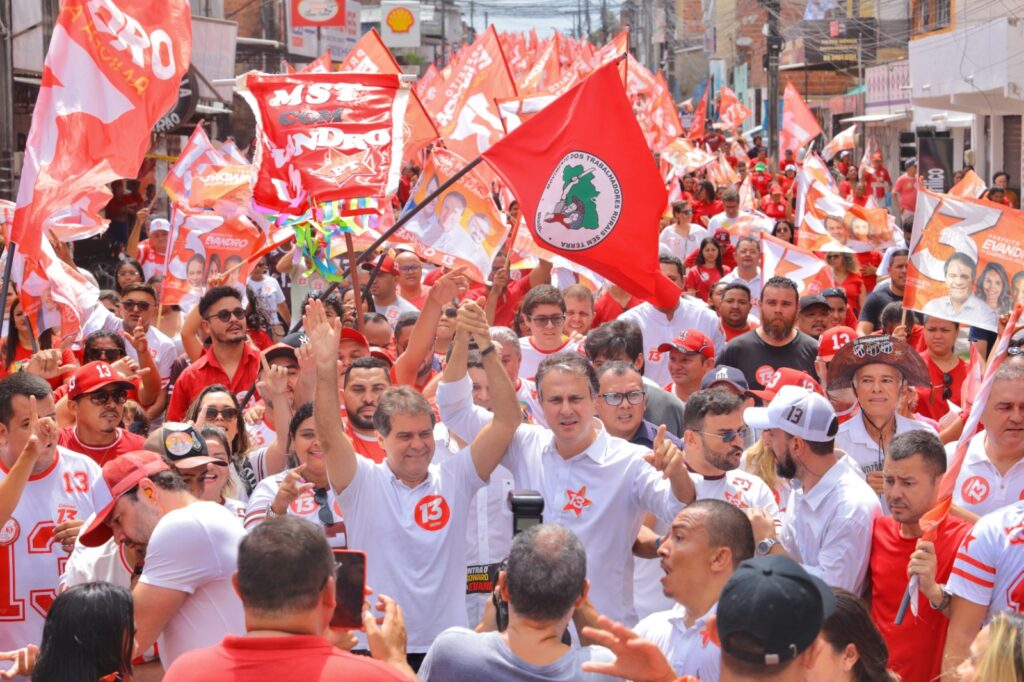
(588, 185)
(325, 136)
(112, 70)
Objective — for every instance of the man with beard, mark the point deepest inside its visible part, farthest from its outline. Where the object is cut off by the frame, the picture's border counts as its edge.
(777, 342)
(708, 540)
(827, 523)
(871, 313)
(814, 314)
(96, 396)
(365, 380)
(184, 598)
(734, 309)
(229, 360)
(913, 468)
(748, 270)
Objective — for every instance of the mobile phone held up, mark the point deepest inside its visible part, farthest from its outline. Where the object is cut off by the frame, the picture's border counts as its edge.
(349, 587)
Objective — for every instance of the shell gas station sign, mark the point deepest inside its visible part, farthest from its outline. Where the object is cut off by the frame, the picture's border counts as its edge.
(400, 23)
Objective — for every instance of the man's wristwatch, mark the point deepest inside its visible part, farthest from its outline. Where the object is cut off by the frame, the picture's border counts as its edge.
(765, 546)
(947, 597)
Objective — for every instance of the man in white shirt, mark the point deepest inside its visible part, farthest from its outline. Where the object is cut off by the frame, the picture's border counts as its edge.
(595, 485)
(184, 599)
(544, 309)
(681, 237)
(408, 514)
(992, 475)
(706, 543)
(384, 290)
(827, 523)
(961, 305)
(748, 271)
(661, 326)
(729, 217)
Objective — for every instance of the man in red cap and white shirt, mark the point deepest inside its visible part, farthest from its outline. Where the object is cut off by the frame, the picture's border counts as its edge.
(877, 178)
(827, 522)
(184, 600)
(386, 300)
(59, 490)
(96, 396)
(690, 355)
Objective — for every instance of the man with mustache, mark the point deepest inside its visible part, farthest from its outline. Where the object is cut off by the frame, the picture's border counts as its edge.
(365, 379)
(96, 396)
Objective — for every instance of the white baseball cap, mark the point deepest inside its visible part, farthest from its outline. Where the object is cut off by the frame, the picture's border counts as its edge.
(797, 411)
(159, 225)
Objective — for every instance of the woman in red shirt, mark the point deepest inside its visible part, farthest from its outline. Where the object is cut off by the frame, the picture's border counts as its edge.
(774, 205)
(705, 204)
(946, 369)
(846, 275)
(848, 183)
(20, 346)
(708, 270)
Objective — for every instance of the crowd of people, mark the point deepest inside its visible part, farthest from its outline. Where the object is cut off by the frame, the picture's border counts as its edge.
(734, 487)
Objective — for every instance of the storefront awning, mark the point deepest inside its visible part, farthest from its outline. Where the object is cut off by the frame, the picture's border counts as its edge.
(875, 118)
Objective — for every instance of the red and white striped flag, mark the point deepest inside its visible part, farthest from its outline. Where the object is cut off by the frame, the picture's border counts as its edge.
(782, 259)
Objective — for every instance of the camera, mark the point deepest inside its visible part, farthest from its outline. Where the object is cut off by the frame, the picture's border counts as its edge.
(527, 509)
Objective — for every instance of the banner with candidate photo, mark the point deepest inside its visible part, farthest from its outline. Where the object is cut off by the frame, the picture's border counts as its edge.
(966, 259)
(827, 222)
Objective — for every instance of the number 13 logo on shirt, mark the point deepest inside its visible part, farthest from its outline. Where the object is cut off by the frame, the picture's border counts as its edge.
(432, 513)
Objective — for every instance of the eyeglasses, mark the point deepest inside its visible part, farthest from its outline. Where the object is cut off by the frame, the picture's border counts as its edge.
(547, 321)
(324, 512)
(410, 268)
(119, 396)
(729, 436)
(615, 399)
(688, 211)
(143, 306)
(228, 413)
(1015, 350)
(226, 315)
(451, 313)
(106, 354)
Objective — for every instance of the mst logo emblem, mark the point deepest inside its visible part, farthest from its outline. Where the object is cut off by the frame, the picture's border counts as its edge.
(580, 204)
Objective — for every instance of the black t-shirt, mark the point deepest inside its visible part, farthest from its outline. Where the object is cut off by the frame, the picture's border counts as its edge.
(759, 360)
(876, 301)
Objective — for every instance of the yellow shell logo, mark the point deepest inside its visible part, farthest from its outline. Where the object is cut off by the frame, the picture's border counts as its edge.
(400, 20)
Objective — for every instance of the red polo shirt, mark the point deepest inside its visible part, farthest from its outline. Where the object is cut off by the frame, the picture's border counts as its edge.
(125, 442)
(206, 371)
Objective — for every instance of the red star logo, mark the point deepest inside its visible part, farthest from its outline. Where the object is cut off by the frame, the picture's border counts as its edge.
(339, 168)
(967, 542)
(577, 501)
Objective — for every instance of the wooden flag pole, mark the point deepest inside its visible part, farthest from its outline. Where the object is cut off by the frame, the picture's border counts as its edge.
(353, 272)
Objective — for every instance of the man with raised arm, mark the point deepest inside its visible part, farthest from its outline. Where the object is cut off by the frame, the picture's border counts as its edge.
(405, 507)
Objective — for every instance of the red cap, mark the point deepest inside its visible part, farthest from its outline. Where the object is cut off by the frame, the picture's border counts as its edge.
(382, 354)
(279, 349)
(691, 342)
(832, 340)
(776, 187)
(94, 376)
(787, 376)
(350, 333)
(388, 267)
(121, 475)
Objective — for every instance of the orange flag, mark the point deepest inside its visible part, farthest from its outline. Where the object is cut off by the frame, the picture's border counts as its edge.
(799, 126)
(700, 116)
(731, 111)
(779, 258)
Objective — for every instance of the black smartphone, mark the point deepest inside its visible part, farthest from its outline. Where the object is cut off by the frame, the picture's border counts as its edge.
(349, 587)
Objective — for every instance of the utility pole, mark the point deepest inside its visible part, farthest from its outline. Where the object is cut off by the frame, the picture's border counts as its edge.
(444, 52)
(472, 15)
(604, 22)
(774, 46)
(6, 102)
(586, 13)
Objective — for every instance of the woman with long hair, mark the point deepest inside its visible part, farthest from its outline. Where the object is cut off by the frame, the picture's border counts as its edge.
(846, 273)
(88, 636)
(759, 460)
(706, 204)
(706, 271)
(993, 288)
(997, 653)
(853, 648)
(129, 271)
(219, 486)
(784, 230)
(21, 344)
(218, 406)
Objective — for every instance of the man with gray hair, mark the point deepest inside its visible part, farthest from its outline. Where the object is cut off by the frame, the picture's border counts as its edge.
(506, 344)
(730, 216)
(545, 582)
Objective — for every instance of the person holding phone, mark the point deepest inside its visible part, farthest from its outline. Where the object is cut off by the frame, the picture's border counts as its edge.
(406, 507)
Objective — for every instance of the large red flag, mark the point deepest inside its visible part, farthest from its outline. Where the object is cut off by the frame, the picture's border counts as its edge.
(700, 116)
(588, 185)
(112, 70)
(799, 126)
(731, 111)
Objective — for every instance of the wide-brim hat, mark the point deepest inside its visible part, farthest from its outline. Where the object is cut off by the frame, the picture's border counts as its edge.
(870, 350)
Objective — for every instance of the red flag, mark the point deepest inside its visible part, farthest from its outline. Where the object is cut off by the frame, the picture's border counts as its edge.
(112, 70)
(589, 195)
(321, 64)
(198, 155)
(700, 116)
(731, 111)
(325, 136)
(782, 259)
(798, 123)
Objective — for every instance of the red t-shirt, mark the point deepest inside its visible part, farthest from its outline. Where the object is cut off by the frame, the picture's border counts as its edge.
(731, 333)
(879, 181)
(772, 209)
(125, 442)
(508, 302)
(607, 308)
(700, 279)
(299, 657)
(853, 285)
(907, 188)
(702, 210)
(864, 259)
(915, 647)
(930, 402)
(370, 449)
(207, 371)
(761, 182)
(23, 355)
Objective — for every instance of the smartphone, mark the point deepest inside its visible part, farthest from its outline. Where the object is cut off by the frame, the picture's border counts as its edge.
(349, 587)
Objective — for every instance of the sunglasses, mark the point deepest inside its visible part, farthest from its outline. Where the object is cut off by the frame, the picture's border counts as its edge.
(107, 354)
(324, 512)
(1015, 350)
(226, 315)
(132, 305)
(947, 386)
(615, 399)
(550, 321)
(729, 436)
(119, 396)
(451, 313)
(228, 413)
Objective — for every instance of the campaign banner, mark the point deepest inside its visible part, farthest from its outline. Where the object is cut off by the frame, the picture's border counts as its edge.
(224, 189)
(198, 156)
(781, 259)
(325, 136)
(462, 226)
(966, 259)
(831, 223)
(202, 244)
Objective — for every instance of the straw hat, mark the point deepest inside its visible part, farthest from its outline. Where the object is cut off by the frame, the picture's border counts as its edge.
(870, 350)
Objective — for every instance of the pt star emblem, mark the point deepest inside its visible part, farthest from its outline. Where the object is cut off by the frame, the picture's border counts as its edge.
(577, 501)
(339, 168)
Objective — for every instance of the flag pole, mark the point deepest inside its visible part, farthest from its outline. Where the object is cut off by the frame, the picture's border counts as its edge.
(8, 267)
(353, 273)
(367, 254)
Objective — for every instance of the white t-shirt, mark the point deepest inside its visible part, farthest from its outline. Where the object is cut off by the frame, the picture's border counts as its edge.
(31, 561)
(989, 568)
(980, 488)
(268, 296)
(690, 650)
(658, 329)
(394, 310)
(161, 347)
(415, 539)
(195, 550)
(304, 506)
(678, 245)
(529, 403)
(533, 356)
(261, 434)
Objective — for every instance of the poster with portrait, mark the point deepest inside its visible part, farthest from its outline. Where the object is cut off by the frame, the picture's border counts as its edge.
(203, 244)
(966, 259)
(831, 223)
(462, 226)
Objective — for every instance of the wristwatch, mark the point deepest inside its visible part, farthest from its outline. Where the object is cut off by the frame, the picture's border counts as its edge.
(765, 546)
(947, 597)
